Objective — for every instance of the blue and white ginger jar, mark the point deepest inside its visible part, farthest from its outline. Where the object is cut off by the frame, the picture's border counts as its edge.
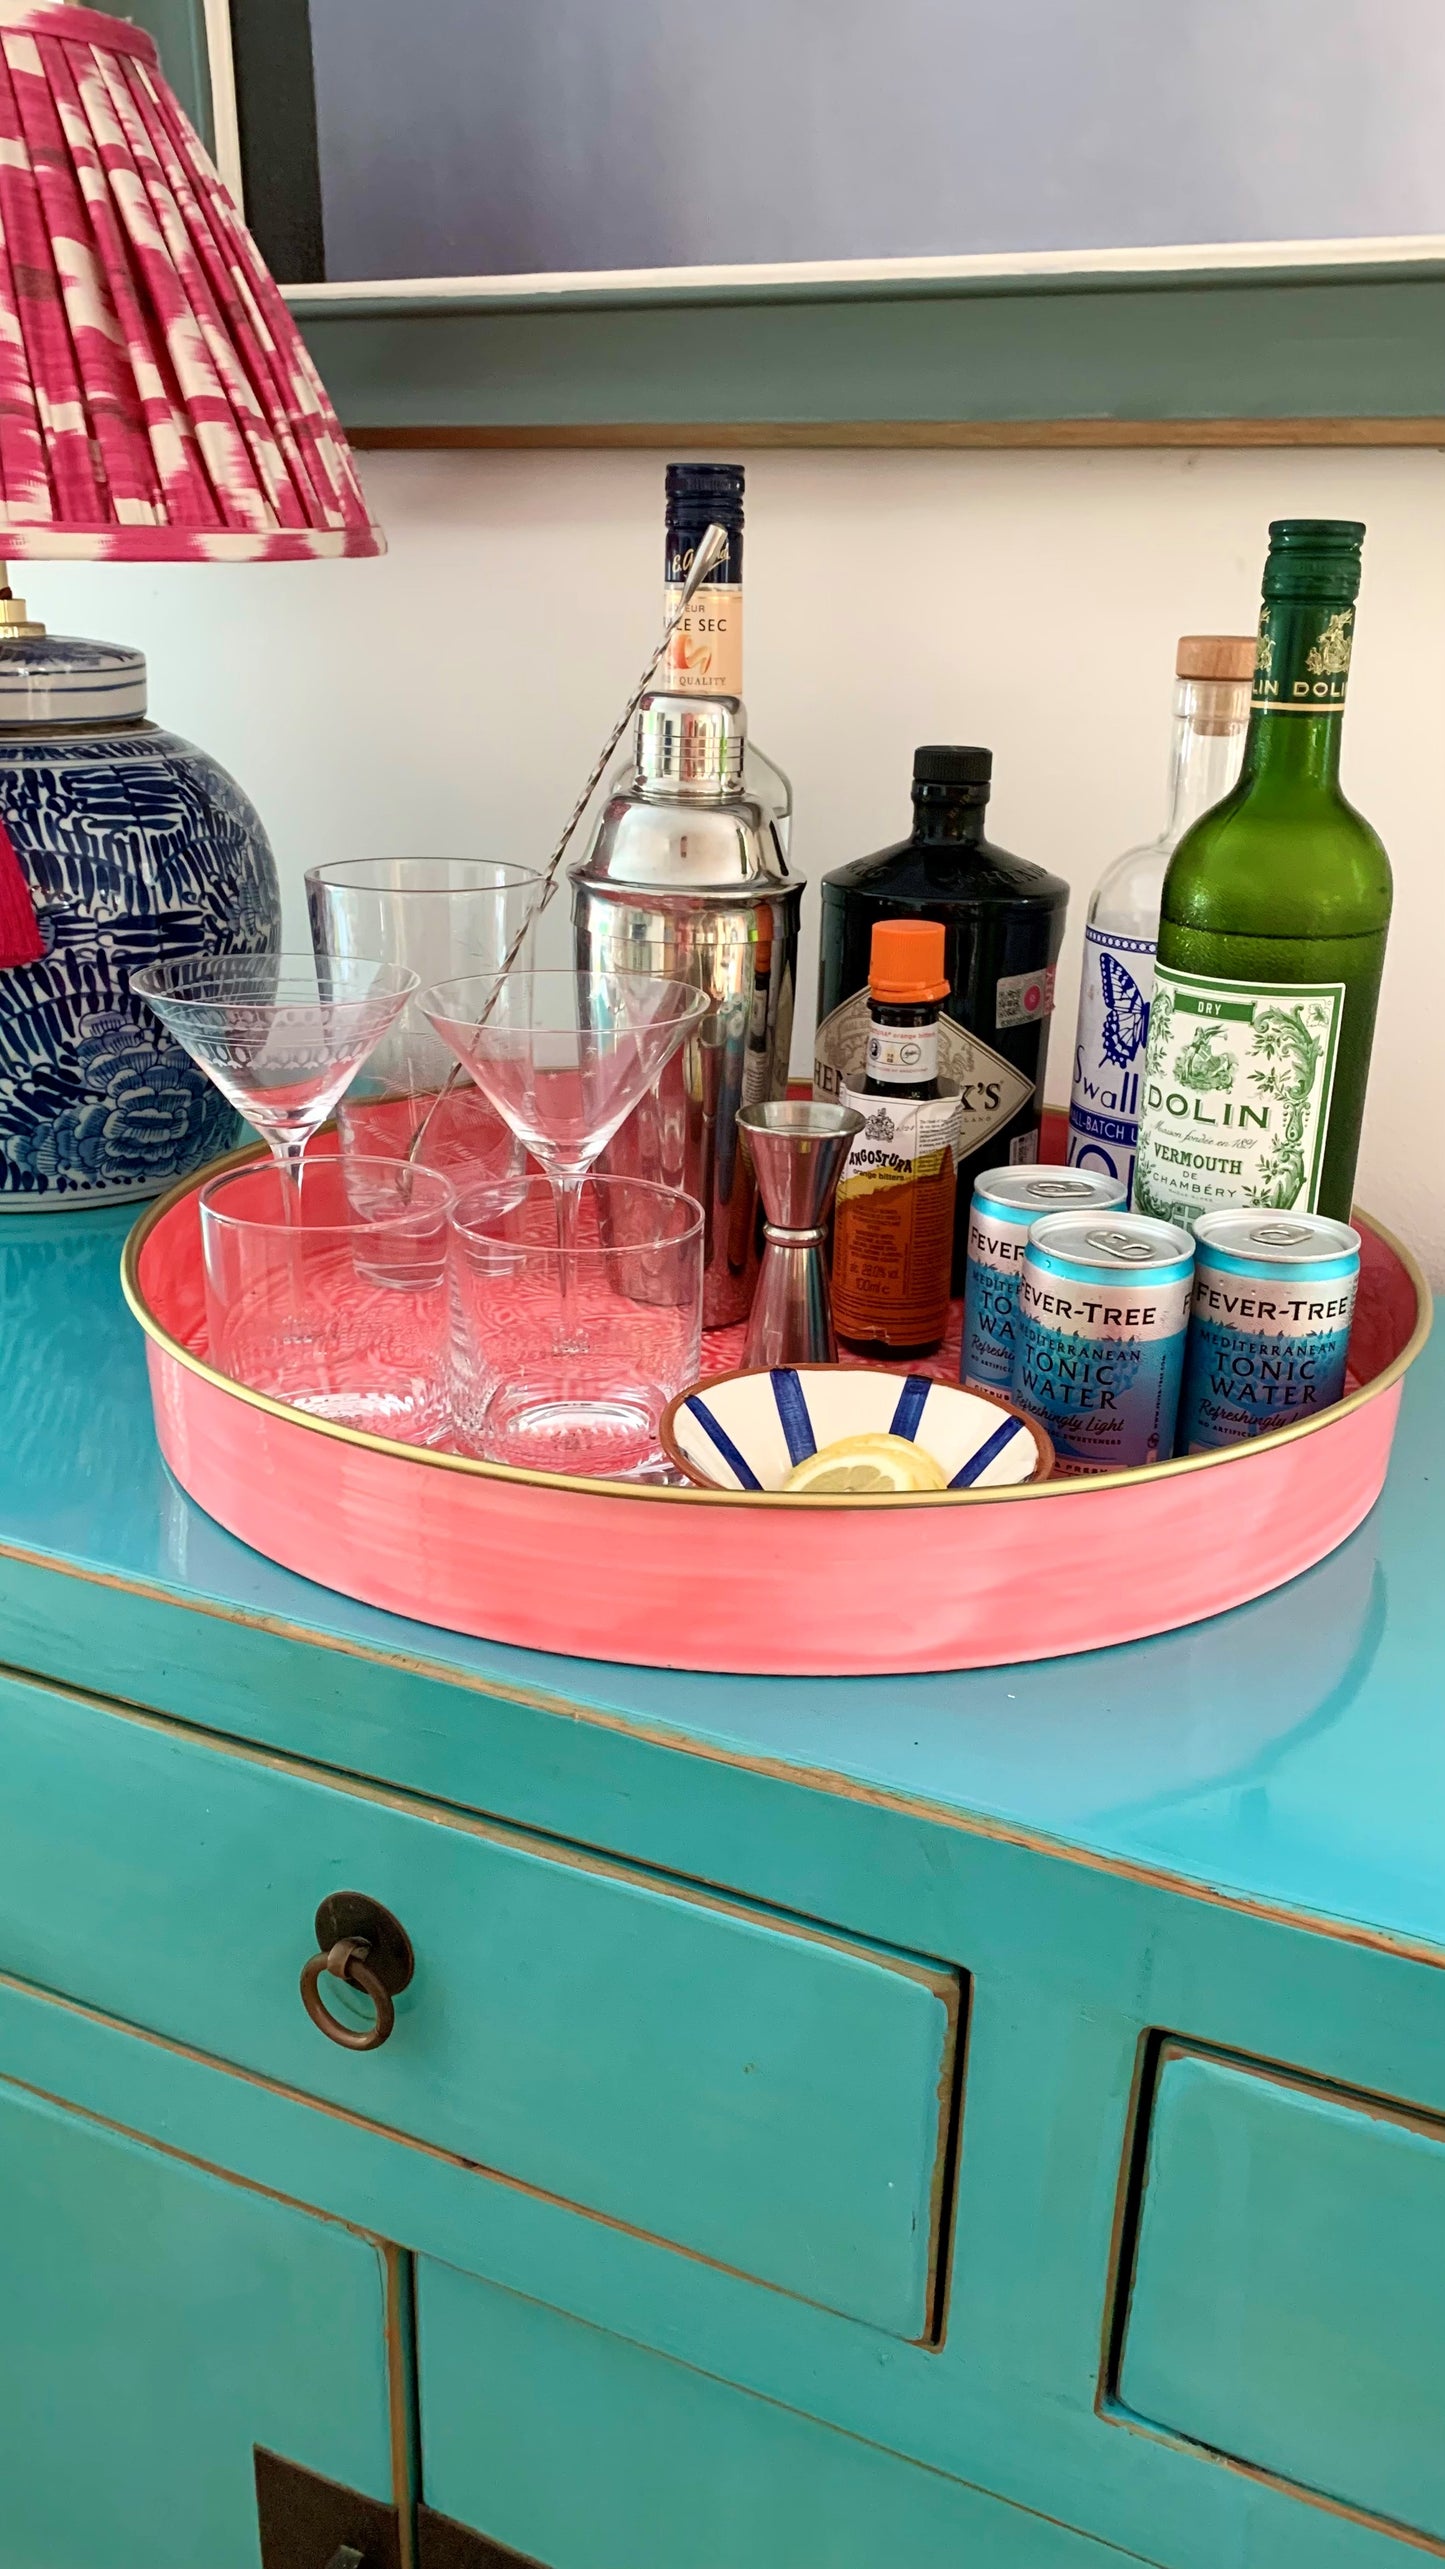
(136, 846)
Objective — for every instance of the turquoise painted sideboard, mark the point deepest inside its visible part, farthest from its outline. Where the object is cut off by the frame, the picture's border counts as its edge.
(993, 2120)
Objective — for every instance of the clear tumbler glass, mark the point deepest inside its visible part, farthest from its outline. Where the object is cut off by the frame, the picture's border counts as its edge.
(439, 916)
(342, 1308)
(575, 1385)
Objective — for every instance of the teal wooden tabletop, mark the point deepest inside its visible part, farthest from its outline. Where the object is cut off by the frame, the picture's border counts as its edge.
(1292, 1751)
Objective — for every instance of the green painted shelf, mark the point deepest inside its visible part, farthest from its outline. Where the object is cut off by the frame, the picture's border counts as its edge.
(1325, 354)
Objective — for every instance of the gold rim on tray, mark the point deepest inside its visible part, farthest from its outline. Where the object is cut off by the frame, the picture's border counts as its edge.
(1071, 1487)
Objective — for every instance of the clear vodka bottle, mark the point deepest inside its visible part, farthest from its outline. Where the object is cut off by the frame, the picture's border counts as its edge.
(1211, 716)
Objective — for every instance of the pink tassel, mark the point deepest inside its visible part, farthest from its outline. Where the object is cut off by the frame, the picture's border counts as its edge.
(20, 938)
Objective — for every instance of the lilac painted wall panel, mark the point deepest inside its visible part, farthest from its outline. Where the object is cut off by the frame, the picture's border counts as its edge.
(502, 136)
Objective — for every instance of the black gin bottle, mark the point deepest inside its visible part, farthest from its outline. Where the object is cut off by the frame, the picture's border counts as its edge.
(1004, 921)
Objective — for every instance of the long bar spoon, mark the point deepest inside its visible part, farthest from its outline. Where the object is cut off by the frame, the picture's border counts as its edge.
(709, 553)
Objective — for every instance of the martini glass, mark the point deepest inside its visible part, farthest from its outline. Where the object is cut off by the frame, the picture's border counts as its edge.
(564, 1057)
(280, 1034)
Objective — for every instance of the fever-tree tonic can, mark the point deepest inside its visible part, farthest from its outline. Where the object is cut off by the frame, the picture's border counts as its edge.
(1103, 1312)
(1274, 1295)
(1006, 1204)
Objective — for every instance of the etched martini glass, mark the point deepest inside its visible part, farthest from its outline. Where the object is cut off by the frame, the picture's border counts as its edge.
(280, 1034)
(564, 1057)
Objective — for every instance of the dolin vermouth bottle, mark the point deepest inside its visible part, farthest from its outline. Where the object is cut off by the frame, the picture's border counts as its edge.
(1212, 672)
(1272, 936)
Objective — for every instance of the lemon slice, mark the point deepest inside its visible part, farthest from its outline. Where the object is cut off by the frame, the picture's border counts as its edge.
(853, 1466)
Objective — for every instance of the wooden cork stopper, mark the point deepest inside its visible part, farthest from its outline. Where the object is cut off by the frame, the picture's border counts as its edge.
(1215, 655)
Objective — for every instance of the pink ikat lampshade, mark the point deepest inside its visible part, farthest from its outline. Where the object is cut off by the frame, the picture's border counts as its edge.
(157, 402)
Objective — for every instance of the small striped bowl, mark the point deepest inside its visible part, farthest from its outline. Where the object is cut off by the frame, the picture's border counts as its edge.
(746, 1431)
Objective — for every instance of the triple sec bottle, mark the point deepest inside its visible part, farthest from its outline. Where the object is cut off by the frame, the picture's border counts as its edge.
(705, 655)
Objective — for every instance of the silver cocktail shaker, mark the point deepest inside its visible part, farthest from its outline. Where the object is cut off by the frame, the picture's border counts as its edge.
(687, 877)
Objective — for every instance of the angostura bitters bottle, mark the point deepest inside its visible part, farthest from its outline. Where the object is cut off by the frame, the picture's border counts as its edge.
(1272, 936)
(893, 1229)
(1004, 920)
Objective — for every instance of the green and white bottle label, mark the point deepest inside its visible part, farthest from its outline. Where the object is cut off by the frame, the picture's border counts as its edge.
(1236, 1094)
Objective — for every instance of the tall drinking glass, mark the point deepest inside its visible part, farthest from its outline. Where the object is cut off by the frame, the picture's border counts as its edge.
(437, 916)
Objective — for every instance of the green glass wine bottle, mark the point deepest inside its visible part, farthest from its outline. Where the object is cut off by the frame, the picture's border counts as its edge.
(1272, 937)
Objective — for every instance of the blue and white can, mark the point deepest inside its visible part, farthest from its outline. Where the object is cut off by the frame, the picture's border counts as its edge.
(1099, 1357)
(1006, 1204)
(1274, 1296)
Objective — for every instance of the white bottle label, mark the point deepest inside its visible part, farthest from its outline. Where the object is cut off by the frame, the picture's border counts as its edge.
(1114, 993)
(1236, 1096)
(1023, 998)
(902, 1056)
(705, 654)
(992, 1092)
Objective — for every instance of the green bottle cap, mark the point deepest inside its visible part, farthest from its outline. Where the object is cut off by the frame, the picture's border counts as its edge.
(1314, 557)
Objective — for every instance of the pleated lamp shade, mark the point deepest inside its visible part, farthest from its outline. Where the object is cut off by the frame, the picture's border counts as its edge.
(156, 399)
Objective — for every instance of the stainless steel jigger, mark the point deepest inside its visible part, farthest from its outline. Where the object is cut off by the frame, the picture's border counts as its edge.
(799, 1149)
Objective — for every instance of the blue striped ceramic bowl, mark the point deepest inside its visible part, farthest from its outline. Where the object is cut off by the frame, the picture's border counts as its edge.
(746, 1431)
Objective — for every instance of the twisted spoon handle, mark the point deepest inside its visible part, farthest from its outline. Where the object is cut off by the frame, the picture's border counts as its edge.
(709, 553)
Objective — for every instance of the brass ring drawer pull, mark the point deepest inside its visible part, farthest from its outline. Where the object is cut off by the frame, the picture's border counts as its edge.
(363, 1944)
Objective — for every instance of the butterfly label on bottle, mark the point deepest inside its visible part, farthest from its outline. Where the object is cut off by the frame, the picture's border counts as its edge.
(991, 1090)
(1113, 1031)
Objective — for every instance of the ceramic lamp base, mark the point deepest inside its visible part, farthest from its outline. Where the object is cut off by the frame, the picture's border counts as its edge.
(135, 846)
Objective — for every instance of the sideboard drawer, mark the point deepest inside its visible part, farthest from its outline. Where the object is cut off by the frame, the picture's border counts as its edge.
(569, 2448)
(760, 2092)
(1287, 2304)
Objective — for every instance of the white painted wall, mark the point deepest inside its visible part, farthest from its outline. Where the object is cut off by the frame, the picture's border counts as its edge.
(453, 695)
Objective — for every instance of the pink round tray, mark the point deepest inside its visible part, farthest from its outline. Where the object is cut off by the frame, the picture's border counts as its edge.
(749, 1584)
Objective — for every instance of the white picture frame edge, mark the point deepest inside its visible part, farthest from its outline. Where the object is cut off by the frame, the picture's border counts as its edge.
(1037, 267)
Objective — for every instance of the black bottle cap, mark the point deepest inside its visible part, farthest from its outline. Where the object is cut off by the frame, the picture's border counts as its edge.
(939, 764)
(704, 491)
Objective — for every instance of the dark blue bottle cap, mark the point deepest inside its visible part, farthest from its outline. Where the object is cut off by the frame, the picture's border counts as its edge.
(702, 492)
